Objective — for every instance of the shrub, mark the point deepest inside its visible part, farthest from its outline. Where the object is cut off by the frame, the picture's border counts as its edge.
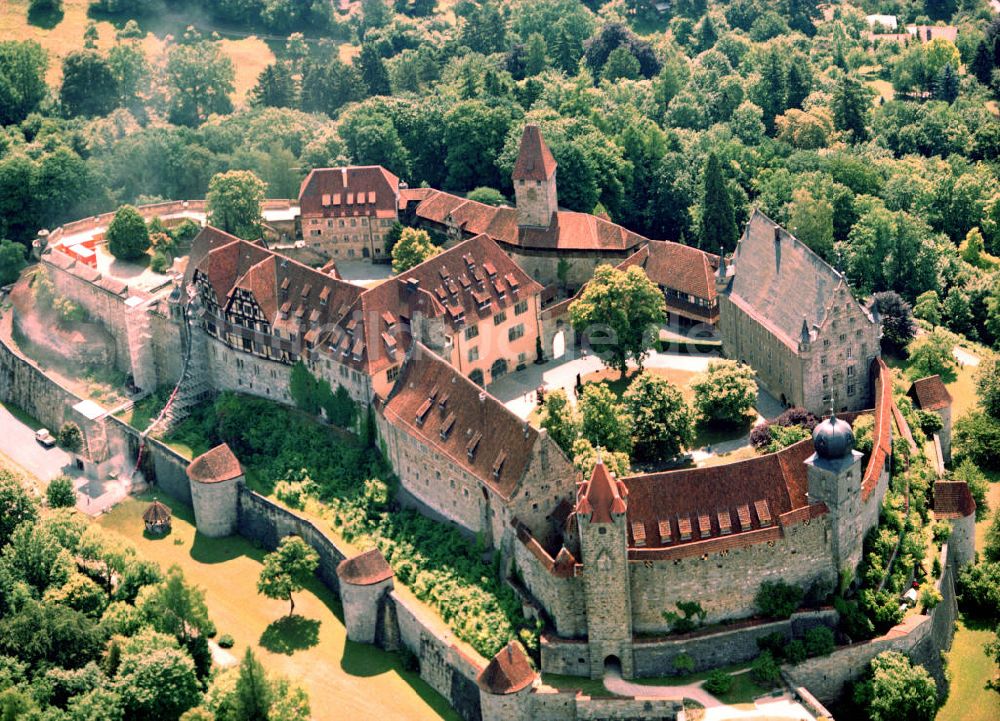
(930, 422)
(777, 599)
(797, 416)
(929, 597)
(819, 641)
(160, 262)
(853, 621)
(60, 493)
(765, 670)
(774, 643)
(690, 617)
(684, 664)
(978, 590)
(718, 683)
(760, 436)
(941, 531)
(226, 641)
(795, 652)
(70, 437)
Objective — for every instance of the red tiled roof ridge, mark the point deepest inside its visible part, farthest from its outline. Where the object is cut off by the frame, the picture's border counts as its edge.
(930, 393)
(215, 466)
(509, 671)
(365, 569)
(602, 496)
(503, 432)
(953, 499)
(882, 433)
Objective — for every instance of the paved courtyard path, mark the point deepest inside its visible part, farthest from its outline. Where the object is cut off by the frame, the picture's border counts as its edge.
(779, 708)
(17, 442)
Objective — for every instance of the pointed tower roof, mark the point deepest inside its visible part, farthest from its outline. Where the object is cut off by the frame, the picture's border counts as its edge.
(602, 496)
(507, 672)
(534, 160)
(806, 335)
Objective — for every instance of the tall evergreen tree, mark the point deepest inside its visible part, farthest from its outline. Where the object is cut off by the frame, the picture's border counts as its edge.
(802, 16)
(373, 71)
(799, 82)
(253, 696)
(850, 108)
(946, 84)
(771, 91)
(718, 226)
(707, 34)
(275, 87)
(982, 63)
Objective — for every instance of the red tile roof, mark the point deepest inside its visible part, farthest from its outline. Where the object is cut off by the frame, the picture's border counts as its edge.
(508, 672)
(569, 230)
(215, 466)
(602, 496)
(953, 499)
(365, 569)
(485, 438)
(562, 566)
(449, 285)
(368, 190)
(882, 446)
(534, 161)
(930, 393)
(676, 266)
(671, 500)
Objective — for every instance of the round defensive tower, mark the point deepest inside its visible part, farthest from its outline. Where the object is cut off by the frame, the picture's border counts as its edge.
(505, 685)
(364, 579)
(215, 477)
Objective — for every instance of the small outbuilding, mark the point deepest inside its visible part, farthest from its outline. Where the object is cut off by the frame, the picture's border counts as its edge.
(157, 518)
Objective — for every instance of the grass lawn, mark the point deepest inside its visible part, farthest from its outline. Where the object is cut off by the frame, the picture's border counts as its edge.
(61, 35)
(345, 680)
(587, 686)
(970, 670)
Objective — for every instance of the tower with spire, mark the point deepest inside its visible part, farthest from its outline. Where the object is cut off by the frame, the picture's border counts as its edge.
(535, 180)
(601, 517)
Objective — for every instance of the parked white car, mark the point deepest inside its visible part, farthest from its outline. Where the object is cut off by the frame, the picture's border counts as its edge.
(43, 436)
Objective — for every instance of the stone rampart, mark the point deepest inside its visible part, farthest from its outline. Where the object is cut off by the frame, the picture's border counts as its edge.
(921, 637)
(654, 657)
(24, 385)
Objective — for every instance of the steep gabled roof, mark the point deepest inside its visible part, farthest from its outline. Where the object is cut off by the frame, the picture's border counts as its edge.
(508, 672)
(350, 191)
(680, 267)
(534, 160)
(451, 415)
(673, 506)
(930, 393)
(602, 497)
(779, 281)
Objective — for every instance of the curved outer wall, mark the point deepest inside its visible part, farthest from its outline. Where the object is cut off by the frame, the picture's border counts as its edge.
(361, 604)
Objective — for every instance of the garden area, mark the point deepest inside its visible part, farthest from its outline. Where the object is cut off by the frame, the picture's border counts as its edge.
(310, 646)
(343, 479)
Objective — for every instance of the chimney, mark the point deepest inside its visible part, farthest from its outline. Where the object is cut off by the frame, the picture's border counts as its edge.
(482, 397)
(343, 177)
(777, 234)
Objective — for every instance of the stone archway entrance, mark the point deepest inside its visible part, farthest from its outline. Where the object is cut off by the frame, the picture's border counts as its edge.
(498, 370)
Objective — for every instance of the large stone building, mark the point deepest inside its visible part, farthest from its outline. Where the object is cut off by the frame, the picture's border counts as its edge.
(461, 455)
(793, 318)
(635, 547)
(348, 212)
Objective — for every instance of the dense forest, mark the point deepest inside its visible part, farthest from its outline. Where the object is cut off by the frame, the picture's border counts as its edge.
(880, 154)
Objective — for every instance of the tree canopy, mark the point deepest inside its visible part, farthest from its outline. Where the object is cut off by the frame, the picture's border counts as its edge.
(287, 570)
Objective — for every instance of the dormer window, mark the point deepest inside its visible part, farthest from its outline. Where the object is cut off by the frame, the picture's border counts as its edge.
(663, 526)
(473, 444)
(449, 423)
(684, 527)
(498, 464)
(423, 410)
(638, 533)
(763, 513)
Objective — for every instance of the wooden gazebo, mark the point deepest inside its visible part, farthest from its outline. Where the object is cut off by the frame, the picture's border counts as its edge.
(157, 518)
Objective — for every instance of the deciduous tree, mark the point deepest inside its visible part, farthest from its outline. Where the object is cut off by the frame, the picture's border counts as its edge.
(725, 393)
(663, 424)
(413, 248)
(235, 200)
(287, 570)
(620, 313)
(604, 421)
(88, 86)
(127, 235)
(896, 690)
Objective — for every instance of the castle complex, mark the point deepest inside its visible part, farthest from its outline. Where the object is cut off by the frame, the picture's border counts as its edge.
(600, 559)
